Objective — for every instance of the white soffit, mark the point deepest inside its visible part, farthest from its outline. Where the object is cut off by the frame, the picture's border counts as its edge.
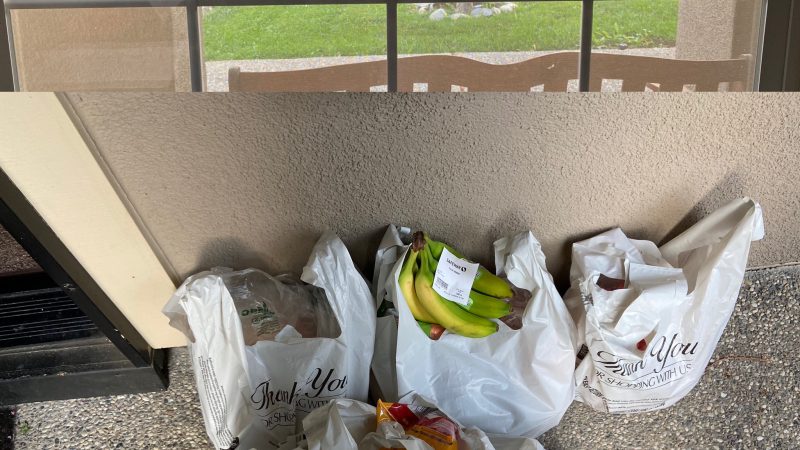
(45, 156)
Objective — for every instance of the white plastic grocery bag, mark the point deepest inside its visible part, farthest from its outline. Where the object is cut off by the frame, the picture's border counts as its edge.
(350, 425)
(651, 317)
(258, 392)
(513, 382)
(383, 362)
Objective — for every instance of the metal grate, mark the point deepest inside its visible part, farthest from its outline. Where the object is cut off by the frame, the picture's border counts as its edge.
(41, 315)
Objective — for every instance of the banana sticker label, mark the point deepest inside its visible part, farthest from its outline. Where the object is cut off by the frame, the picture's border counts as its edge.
(454, 278)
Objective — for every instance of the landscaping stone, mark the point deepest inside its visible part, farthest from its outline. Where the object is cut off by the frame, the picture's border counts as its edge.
(508, 7)
(457, 16)
(438, 15)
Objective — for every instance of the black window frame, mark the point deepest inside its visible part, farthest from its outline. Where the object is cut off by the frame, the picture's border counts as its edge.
(779, 40)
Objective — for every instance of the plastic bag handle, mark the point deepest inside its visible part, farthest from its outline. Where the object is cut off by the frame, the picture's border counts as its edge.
(526, 273)
(326, 265)
(714, 227)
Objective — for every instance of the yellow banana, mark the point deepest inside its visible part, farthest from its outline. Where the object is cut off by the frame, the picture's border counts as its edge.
(485, 281)
(448, 314)
(481, 304)
(406, 280)
(490, 284)
(487, 306)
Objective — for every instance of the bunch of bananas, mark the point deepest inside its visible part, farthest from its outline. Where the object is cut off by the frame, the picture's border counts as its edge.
(487, 300)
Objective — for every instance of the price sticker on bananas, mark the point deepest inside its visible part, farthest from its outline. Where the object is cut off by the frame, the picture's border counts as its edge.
(454, 278)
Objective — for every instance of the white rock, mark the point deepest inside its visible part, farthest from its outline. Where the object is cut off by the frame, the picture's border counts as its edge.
(496, 11)
(457, 16)
(507, 8)
(486, 12)
(438, 15)
(476, 12)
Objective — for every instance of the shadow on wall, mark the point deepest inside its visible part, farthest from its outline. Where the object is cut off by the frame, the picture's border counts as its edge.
(230, 252)
(728, 188)
(235, 253)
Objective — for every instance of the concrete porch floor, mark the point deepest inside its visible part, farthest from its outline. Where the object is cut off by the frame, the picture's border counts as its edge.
(749, 397)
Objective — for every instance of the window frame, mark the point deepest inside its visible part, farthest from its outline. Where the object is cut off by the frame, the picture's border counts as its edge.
(780, 47)
(779, 55)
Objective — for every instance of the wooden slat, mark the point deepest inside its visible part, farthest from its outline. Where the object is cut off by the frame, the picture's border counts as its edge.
(234, 83)
(633, 84)
(595, 83)
(556, 86)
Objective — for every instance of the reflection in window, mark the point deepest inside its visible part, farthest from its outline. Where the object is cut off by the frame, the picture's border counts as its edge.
(101, 49)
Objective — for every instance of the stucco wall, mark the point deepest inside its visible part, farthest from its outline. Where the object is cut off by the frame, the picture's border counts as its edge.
(102, 49)
(252, 180)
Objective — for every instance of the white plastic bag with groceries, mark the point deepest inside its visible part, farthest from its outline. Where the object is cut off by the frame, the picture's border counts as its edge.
(353, 425)
(651, 317)
(384, 373)
(266, 352)
(507, 372)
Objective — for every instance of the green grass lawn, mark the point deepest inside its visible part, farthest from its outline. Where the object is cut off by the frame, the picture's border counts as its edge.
(266, 32)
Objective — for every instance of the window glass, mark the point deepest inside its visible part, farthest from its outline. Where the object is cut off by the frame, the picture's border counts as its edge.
(101, 49)
(497, 46)
(295, 48)
(674, 45)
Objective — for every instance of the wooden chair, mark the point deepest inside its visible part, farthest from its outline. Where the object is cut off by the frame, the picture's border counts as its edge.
(553, 72)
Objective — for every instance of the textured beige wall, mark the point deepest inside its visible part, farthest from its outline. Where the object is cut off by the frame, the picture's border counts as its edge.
(252, 180)
(102, 49)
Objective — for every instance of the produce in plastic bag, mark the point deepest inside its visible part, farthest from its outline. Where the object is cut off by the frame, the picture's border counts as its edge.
(444, 289)
(427, 424)
(266, 304)
(351, 425)
(514, 382)
(258, 369)
(649, 318)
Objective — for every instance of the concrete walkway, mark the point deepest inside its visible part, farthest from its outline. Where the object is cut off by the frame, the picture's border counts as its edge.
(748, 397)
(217, 71)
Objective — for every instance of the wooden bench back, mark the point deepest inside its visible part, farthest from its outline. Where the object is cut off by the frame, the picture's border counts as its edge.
(552, 71)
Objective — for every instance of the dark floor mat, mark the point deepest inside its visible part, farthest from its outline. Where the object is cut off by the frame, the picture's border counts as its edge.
(7, 419)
